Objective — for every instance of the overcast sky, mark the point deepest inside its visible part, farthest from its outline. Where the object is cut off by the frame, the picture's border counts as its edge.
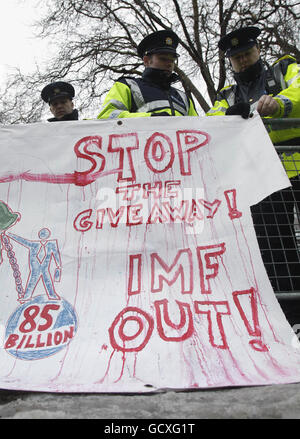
(19, 48)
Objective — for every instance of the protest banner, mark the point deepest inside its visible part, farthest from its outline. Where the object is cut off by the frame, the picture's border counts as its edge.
(129, 261)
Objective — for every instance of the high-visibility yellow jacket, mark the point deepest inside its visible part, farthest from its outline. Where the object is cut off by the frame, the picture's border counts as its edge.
(286, 81)
(141, 97)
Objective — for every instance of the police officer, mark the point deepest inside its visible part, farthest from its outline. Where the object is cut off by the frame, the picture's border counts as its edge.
(59, 95)
(153, 93)
(274, 92)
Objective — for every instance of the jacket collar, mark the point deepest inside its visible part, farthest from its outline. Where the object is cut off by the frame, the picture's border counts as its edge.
(159, 77)
(251, 74)
(70, 116)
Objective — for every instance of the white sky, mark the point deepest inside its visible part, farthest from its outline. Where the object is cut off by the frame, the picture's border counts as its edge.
(19, 48)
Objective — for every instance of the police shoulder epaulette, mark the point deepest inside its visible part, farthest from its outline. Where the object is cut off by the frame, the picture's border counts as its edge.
(279, 69)
(228, 93)
(126, 77)
(285, 57)
(227, 87)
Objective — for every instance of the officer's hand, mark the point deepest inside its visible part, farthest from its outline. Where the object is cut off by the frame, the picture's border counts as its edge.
(240, 109)
(267, 106)
(163, 113)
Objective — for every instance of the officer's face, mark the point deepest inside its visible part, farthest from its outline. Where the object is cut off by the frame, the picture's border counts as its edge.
(163, 61)
(60, 107)
(242, 60)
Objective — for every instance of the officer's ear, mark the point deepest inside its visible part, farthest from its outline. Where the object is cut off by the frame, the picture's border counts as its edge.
(147, 59)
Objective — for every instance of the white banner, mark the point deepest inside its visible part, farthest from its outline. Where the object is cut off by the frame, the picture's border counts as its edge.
(129, 258)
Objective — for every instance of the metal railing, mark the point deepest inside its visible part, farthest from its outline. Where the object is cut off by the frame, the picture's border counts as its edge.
(277, 220)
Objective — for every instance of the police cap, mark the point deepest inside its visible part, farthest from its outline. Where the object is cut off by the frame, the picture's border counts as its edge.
(57, 90)
(162, 41)
(239, 40)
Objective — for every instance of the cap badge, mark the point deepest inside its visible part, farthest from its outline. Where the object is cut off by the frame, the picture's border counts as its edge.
(234, 42)
(169, 41)
(56, 91)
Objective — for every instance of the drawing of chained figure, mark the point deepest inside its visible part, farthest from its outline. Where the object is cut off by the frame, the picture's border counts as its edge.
(41, 254)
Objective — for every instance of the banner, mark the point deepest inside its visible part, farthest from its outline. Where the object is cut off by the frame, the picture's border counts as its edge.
(129, 261)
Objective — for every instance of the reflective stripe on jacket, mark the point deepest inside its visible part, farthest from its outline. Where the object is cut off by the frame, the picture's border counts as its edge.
(286, 73)
(137, 97)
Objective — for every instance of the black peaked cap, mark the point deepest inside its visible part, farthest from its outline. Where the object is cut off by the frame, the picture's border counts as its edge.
(162, 41)
(239, 40)
(55, 90)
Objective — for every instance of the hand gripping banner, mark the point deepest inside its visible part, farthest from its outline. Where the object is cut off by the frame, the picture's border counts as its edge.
(129, 261)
